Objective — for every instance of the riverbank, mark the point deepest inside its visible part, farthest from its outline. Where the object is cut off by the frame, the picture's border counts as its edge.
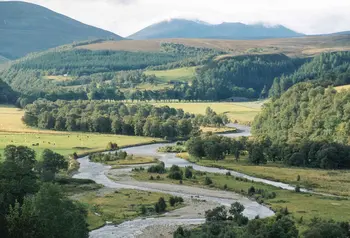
(335, 182)
(300, 205)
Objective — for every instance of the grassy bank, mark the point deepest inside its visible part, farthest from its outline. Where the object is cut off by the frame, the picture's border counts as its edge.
(325, 181)
(120, 206)
(305, 206)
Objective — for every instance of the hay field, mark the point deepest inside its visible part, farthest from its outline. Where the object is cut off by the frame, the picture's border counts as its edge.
(14, 132)
(243, 112)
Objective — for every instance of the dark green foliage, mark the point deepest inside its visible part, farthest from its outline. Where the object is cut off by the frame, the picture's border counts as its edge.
(308, 127)
(107, 117)
(51, 163)
(216, 214)
(105, 157)
(327, 68)
(25, 212)
(214, 147)
(324, 229)
(7, 95)
(160, 206)
(175, 173)
(173, 201)
(240, 76)
(47, 214)
(188, 173)
(143, 209)
(208, 181)
(159, 168)
(297, 189)
(86, 62)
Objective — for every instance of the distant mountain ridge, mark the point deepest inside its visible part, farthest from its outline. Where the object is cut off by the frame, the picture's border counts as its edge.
(26, 28)
(181, 28)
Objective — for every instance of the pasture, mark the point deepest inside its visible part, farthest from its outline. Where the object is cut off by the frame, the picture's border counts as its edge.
(344, 87)
(14, 132)
(119, 206)
(179, 75)
(325, 181)
(243, 112)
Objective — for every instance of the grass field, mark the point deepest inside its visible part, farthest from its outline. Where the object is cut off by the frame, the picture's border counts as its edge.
(336, 182)
(119, 206)
(181, 74)
(13, 131)
(300, 46)
(58, 77)
(243, 112)
(303, 205)
(344, 87)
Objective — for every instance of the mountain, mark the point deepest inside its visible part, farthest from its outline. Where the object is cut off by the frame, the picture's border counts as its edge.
(26, 27)
(180, 28)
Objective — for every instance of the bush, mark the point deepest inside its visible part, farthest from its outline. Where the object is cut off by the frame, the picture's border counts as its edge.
(188, 173)
(151, 178)
(225, 187)
(177, 175)
(143, 210)
(251, 191)
(160, 206)
(208, 181)
(159, 168)
(228, 173)
(297, 189)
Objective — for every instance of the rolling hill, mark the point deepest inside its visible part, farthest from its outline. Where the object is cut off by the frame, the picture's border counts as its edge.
(26, 28)
(180, 28)
(300, 46)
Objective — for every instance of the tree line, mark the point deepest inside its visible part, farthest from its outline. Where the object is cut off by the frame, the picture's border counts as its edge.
(312, 154)
(116, 118)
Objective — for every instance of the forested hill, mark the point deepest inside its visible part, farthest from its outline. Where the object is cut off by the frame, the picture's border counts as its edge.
(328, 68)
(181, 28)
(306, 112)
(26, 28)
(7, 95)
(243, 76)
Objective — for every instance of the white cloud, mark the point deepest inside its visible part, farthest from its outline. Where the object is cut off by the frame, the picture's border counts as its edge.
(127, 16)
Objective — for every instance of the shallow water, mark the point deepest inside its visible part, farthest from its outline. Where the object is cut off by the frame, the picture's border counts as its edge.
(97, 172)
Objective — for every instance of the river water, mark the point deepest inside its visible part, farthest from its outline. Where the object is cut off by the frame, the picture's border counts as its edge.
(97, 172)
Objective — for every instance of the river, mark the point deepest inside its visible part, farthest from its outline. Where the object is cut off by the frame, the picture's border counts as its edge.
(98, 173)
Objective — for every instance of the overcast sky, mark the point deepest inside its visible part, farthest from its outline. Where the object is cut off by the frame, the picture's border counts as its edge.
(125, 17)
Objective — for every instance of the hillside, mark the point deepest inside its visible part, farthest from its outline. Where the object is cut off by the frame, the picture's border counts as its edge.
(301, 46)
(180, 28)
(306, 112)
(7, 95)
(26, 28)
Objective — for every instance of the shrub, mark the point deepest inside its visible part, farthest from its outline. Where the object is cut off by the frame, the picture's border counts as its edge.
(188, 173)
(151, 178)
(176, 175)
(160, 206)
(143, 210)
(251, 191)
(159, 168)
(228, 173)
(208, 181)
(297, 189)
